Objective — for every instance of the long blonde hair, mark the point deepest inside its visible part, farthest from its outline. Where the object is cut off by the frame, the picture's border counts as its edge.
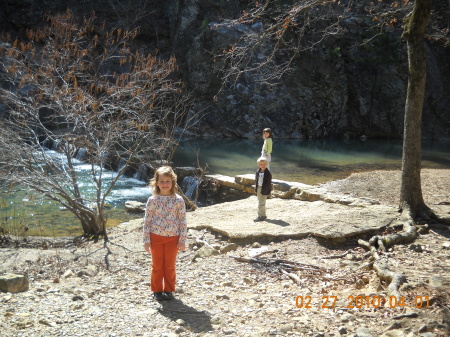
(164, 171)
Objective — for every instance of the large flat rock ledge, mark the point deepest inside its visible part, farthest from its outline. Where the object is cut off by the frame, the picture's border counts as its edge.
(295, 210)
(290, 218)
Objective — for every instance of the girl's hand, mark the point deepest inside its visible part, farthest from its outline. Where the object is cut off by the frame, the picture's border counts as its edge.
(181, 246)
(148, 247)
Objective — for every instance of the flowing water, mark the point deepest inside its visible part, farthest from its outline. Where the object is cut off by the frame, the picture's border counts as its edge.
(40, 216)
(309, 162)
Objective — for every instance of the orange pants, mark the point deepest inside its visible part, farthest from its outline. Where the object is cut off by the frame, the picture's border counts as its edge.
(164, 255)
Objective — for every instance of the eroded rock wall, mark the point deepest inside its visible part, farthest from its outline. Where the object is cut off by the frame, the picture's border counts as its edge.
(343, 88)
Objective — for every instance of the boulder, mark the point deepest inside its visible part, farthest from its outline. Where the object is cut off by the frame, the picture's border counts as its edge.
(14, 283)
(135, 206)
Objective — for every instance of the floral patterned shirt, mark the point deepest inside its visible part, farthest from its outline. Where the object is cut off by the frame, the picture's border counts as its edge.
(165, 216)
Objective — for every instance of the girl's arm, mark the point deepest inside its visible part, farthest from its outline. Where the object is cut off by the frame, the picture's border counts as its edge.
(149, 209)
(182, 224)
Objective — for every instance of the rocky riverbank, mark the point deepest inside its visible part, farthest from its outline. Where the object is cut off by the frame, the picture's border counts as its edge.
(318, 287)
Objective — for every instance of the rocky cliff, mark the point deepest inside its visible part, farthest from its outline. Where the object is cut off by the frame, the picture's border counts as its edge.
(341, 88)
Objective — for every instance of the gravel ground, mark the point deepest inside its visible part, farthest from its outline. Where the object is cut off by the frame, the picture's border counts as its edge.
(97, 289)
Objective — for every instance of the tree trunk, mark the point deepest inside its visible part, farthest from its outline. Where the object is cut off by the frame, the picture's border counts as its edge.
(411, 199)
(90, 222)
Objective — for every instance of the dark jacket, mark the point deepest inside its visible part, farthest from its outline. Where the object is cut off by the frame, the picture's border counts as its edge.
(267, 182)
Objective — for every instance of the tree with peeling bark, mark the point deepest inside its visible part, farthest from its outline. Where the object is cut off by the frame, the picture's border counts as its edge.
(76, 86)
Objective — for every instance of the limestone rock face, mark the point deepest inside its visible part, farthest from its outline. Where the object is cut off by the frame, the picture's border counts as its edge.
(14, 283)
(343, 88)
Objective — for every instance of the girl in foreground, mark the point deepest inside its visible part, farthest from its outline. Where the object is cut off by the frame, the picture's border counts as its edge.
(164, 231)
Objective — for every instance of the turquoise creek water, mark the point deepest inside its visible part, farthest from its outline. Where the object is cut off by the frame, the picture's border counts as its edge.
(309, 162)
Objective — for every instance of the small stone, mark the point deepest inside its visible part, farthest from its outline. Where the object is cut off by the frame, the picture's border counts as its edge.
(256, 245)
(222, 297)
(347, 317)
(206, 251)
(423, 328)
(77, 298)
(436, 281)
(228, 248)
(350, 257)
(395, 326)
(416, 248)
(272, 310)
(90, 271)
(216, 320)
(394, 333)
(363, 332)
(77, 306)
(446, 245)
(180, 322)
(342, 330)
(45, 321)
(247, 280)
(360, 284)
(285, 328)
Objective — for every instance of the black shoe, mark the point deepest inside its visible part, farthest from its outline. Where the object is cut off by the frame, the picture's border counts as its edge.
(260, 218)
(159, 296)
(168, 296)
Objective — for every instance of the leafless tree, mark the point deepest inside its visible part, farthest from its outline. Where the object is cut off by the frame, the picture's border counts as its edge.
(77, 86)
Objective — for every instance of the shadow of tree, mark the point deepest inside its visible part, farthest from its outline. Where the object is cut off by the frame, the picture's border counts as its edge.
(197, 321)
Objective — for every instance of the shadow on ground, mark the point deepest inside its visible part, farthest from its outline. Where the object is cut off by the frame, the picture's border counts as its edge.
(196, 321)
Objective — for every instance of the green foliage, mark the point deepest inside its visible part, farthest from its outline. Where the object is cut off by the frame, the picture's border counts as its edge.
(336, 52)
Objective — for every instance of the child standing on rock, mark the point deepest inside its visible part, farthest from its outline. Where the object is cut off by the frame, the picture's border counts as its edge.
(266, 150)
(164, 232)
(263, 187)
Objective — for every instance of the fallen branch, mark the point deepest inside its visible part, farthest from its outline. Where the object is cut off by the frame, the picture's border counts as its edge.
(409, 315)
(334, 256)
(282, 263)
(203, 242)
(266, 252)
(293, 277)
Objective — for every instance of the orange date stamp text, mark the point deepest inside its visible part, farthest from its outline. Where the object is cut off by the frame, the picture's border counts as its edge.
(330, 302)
